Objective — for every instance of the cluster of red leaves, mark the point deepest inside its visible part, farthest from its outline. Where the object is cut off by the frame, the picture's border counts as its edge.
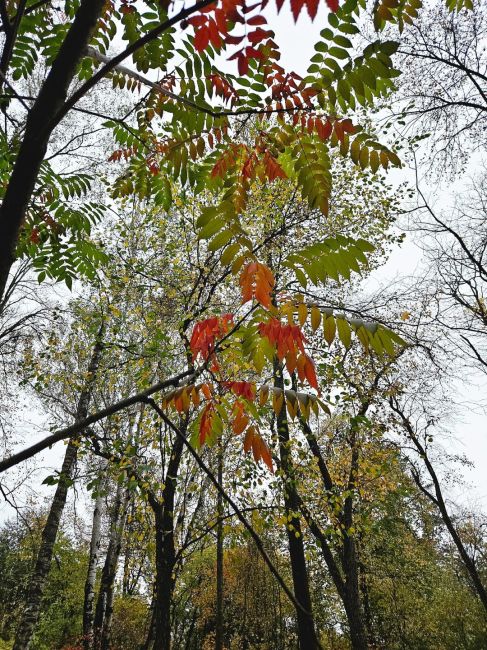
(126, 153)
(223, 88)
(206, 332)
(245, 389)
(257, 161)
(257, 281)
(261, 45)
(206, 422)
(287, 84)
(228, 159)
(254, 441)
(324, 129)
(289, 342)
(284, 337)
(311, 6)
(240, 422)
(213, 22)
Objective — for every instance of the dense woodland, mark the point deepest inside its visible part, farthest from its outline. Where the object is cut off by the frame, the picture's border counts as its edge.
(241, 308)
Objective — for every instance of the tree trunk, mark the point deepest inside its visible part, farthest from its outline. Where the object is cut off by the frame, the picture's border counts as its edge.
(40, 123)
(91, 574)
(165, 550)
(104, 603)
(151, 632)
(219, 557)
(352, 601)
(38, 579)
(306, 626)
(346, 579)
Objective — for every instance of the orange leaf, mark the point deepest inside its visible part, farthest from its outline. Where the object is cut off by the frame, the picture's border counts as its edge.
(310, 373)
(206, 422)
(257, 280)
(247, 445)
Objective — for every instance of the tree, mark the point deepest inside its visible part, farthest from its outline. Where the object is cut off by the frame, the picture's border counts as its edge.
(442, 88)
(76, 43)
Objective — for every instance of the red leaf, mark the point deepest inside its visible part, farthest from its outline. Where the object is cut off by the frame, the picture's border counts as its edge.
(339, 131)
(202, 38)
(312, 7)
(296, 6)
(34, 235)
(258, 35)
(247, 445)
(256, 20)
(215, 37)
(323, 130)
(333, 5)
(266, 456)
(206, 422)
(348, 126)
(197, 21)
(233, 40)
(243, 65)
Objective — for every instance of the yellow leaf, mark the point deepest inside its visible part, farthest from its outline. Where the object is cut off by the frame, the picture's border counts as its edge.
(288, 310)
(277, 401)
(315, 318)
(263, 395)
(302, 313)
(329, 329)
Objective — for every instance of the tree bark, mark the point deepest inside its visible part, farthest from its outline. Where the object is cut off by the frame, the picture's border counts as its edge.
(38, 579)
(307, 637)
(104, 603)
(165, 549)
(91, 574)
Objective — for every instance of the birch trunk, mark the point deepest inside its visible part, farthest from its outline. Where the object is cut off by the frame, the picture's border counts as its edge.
(40, 574)
(91, 574)
(104, 605)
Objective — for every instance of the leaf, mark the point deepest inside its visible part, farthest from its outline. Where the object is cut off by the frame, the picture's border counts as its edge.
(315, 318)
(344, 331)
(206, 332)
(257, 281)
(310, 373)
(277, 401)
(302, 313)
(329, 329)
